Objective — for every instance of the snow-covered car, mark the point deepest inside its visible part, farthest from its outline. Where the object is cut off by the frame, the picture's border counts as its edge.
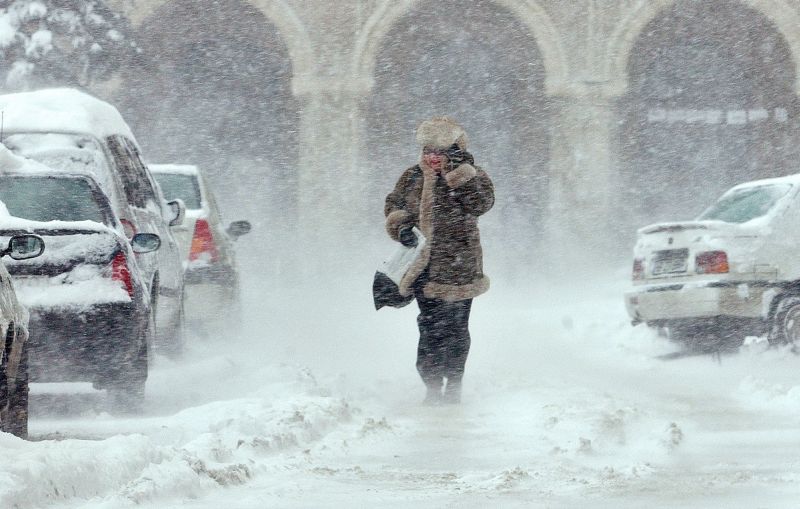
(90, 316)
(212, 276)
(14, 331)
(732, 272)
(70, 131)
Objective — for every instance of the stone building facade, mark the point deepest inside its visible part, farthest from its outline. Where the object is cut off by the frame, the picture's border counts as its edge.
(595, 61)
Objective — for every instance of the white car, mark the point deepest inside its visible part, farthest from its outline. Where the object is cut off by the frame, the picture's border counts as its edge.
(70, 131)
(732, 272)
(209, 258)
(14, 332)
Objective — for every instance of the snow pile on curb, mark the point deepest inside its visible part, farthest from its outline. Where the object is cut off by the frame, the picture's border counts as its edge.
(198, 449)
(777, 397)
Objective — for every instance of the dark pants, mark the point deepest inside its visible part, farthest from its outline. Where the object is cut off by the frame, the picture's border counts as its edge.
(443, 340)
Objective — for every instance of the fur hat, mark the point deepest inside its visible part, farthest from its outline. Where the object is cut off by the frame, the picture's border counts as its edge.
(441, 132)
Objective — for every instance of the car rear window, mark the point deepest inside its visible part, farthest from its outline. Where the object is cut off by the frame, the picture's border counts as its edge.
(70, 153)
(49, 198)
(746, 204)
(180, 186)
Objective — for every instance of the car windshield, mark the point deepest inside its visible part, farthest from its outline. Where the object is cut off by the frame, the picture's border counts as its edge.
(746, 204)
(71, 153)
(185, 187)
(49, 198)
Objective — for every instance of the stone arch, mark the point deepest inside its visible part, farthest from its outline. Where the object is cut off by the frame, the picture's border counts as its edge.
(226, 98)
(699, 117)
(532, 15)
(278, 12)
(782, 13)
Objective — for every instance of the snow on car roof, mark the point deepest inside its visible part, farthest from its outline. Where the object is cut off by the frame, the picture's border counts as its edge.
(61, 110)
(793, 179)
(180, 169)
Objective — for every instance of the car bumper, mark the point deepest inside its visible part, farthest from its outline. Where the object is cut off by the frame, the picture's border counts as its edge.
(208, 303)
(209, 293)
(86, 345)
(653, 303)
(213, 274)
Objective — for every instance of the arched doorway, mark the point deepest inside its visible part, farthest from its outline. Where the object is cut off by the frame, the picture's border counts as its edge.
(213, 88)
(482, 67)
(711, 103)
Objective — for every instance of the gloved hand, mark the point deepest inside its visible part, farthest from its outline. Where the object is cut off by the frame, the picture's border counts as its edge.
(456, 157)
(407, 237)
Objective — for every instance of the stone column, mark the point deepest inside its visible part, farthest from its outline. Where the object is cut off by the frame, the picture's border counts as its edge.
(584, 178)
(331, 186)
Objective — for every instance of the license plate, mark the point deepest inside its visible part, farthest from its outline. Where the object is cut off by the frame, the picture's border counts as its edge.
(673, 261)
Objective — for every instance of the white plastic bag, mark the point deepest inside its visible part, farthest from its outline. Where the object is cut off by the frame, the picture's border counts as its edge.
(398, 264)
(386, 284)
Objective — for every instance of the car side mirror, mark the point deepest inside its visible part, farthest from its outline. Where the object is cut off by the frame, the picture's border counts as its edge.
(238, 228)
(24, 247)
(145, 242)
(178, 209)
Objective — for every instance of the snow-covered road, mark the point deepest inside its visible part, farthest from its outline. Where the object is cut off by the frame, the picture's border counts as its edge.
(318, 405)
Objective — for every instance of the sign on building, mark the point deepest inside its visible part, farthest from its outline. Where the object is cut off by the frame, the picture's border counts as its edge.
(716, 116)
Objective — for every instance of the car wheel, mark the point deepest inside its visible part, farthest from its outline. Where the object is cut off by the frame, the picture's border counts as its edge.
(126, 399)
(174, 347)
(785, 326)
(126, 392)
(236, 315)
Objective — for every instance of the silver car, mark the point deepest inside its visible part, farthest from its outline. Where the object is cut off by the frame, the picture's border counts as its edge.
(209, 258)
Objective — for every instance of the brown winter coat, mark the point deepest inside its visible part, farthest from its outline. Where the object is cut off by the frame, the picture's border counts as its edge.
(446, 210)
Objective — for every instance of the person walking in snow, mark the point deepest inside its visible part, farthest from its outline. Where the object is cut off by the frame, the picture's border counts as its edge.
(443, 195)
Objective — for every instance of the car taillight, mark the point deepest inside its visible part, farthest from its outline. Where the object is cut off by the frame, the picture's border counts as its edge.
(711, 262)
(120, 272)
(203, 246)
(638, 269)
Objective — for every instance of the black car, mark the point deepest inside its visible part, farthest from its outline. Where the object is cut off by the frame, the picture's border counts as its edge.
(90, 318)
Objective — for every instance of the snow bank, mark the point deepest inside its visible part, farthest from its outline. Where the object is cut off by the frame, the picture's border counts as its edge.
(764, 395)
(565, 405)
(186, 455)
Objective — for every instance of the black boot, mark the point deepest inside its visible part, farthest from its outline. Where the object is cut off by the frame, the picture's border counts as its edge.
(433, 395)
(452, 392)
